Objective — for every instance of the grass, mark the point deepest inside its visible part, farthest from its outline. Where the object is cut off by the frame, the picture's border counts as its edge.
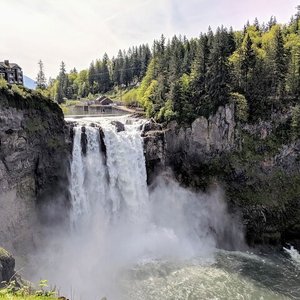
(18, 290)
(3, 253)
(67, 104)
(21, 98)
(15, 297)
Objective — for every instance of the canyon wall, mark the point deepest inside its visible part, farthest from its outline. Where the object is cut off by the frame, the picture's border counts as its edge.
(258, 166)
(33, 165)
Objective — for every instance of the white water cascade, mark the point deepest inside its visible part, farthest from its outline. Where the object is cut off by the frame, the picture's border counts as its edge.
(88, 175)
(113, 182)
(118, 224)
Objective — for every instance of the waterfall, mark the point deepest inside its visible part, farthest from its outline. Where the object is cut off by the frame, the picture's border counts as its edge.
(77, 190)
(127, 173)
(115, 184)
(117, 223)
(110, 194)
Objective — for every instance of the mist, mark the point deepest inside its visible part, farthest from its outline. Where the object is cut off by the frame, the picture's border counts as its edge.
(117, 222)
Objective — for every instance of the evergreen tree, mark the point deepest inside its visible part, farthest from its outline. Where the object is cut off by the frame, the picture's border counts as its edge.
(199, 75)
(280, 66)
(218, 76)
(145, 59)
(256, 24)
(125, 72)
(92, 77)
(247, 62)
(62, 83)
(272, 22)
(41, 78)
(104, 84)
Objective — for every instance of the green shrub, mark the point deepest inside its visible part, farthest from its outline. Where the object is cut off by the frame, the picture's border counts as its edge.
(3, 83)
(241, 106)
(12, 291)
(18, 90)
(131, 97)
(167, 113)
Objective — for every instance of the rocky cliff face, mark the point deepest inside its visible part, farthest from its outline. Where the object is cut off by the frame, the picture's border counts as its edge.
(188, 149)
(33, 164)
(258, 166)
(7, 267)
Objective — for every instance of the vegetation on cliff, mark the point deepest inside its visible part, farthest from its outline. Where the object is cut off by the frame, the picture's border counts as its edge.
(20, 97)
(15, 291)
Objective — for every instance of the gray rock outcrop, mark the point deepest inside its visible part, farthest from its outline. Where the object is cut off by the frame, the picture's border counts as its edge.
(7, 266)
(119, 125)
(186, 148)
(33, 166)
(257, 164)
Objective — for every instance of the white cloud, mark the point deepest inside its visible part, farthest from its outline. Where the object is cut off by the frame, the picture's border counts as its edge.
(79, 31)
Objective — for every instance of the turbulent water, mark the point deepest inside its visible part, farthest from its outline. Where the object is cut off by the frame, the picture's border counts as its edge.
(128, 241)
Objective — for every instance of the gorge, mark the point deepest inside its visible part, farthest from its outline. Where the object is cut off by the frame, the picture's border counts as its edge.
(133, 209)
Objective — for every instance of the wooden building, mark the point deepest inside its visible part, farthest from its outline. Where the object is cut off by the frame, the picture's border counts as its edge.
(11, 72)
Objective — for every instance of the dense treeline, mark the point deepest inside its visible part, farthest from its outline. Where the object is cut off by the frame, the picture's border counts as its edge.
(258, 68)
(128, 68)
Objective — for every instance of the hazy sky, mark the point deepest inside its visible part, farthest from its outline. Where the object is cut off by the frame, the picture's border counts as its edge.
(79, 31)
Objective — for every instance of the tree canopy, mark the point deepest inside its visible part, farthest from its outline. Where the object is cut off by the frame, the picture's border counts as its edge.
(181, 78)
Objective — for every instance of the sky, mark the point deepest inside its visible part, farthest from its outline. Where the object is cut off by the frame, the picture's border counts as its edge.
(79, 31)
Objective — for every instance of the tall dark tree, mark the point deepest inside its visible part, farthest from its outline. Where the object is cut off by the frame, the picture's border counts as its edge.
(105, 77)
(62, 83)
(247, 62)
(218, 76)
(145, 59)
(41, 78)
(92, 77)
(125, 72)
(272, 22)
(280, 65)
(199, 74)
(256, 24)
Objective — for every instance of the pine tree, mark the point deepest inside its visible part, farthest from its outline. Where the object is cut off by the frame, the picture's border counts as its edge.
(41, 78)
(272, 22)
(117, 67)
(105, 83)
(199, 75)
(145, 59)
(92, 77)
(256, 24)
(247, 62)
(125, 72)
(62, 83)
(218, 76)
(231, 41)
(280, 65)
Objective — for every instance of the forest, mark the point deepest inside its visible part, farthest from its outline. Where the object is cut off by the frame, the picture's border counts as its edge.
(257, 68)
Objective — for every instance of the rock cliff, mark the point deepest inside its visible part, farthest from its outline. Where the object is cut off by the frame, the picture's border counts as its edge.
(258, 166)
(7, 266)
(33, 164)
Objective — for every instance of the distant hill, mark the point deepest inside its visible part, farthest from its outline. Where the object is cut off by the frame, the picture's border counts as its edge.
(29, 83)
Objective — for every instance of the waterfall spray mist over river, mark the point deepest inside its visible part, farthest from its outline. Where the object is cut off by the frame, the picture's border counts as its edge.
(128, 241)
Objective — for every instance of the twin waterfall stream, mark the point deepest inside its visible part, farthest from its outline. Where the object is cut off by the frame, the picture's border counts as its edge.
(131, 241)
(115, 181)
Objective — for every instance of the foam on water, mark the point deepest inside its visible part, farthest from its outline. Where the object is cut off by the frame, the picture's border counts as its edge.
(294, 254)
